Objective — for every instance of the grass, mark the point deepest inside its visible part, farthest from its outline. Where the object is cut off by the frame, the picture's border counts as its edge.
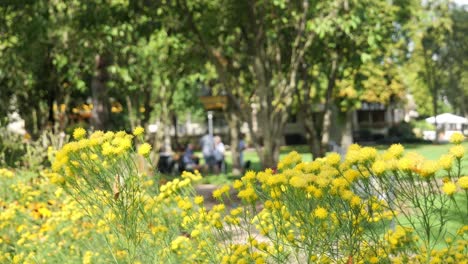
(455, 220)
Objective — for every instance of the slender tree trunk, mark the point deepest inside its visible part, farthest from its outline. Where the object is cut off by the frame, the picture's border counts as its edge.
(326, 125)
(306, 113)
(266, 118)
(100, 112)
(131, 115)
(234, 128)
(158, 139)
(176, 132)
(434, 105)
(313, 139)
(347, 131)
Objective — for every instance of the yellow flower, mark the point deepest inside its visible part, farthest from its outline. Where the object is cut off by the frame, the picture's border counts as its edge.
(445, 161)
(198, 200)
(355, 201)
(298, 181)
(138, 131)
(449, 188)
(428, 168)
(248, 194)
(457, 151)
(292, 158)
(79, 133)
(218, 193)
(396, 150)
(379, 167)
(6, 173)
(237, 184)
(457, 138)
(144, 149)
(333, 159)
(367, 153)
(463, 182)
(351, 175)
(87, 257)
(320, 213)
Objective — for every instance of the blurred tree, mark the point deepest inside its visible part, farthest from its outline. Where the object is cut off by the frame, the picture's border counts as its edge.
(431, 57)
(455, 61)
(257, 49)
(341, 65)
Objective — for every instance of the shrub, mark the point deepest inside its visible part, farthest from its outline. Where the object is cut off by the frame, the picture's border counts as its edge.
(366, 207)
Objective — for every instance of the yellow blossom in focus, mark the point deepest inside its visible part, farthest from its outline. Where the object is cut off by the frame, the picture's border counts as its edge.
(237, 184)
(249, 176)
(248, 194)
(351, 175)
(333, 159)
(198, 200)
(218, 193)
(289, 160)
(396, 150)
(320, 213)
(144, 149)
(355, 201)
(79, 133)
(449, 188)
(367, 154)
(457, 138)
(463, 182)
(138, 131)
(379, 167)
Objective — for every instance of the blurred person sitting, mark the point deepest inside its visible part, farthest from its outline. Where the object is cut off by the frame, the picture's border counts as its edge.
(190, 162)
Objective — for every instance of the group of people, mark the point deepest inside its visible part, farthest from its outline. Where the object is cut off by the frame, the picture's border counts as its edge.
(213, 151)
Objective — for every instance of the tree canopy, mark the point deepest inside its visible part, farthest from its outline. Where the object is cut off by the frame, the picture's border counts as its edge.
(134, 62)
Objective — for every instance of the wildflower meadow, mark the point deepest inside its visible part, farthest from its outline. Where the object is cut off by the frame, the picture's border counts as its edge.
(101, 201)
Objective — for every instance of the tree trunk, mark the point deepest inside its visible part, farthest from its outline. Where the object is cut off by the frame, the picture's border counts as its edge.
(176, 132)
(266, 117)
(100, 112)
(347, 131)
(131, 116)
(234, 128)
(327, 108)
(434, 105)
(162, 138)
(312, 137)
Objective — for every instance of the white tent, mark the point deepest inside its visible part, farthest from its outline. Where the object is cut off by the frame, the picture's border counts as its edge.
(447, 124)
(447, 118)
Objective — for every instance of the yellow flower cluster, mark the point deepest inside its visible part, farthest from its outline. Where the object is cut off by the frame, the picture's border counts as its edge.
(79, 133)
(138, 131)
(331, 210)
(6, 173)
(144, 149)
(457, 138)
